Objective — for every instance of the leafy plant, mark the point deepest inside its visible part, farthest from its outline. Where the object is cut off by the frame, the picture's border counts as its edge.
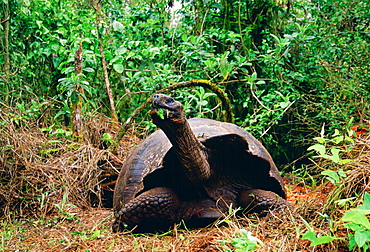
(321, 147)
(335, 177)
(244, 242)
(315, 239)
(61, 208)
(198, 101)
(356, 220)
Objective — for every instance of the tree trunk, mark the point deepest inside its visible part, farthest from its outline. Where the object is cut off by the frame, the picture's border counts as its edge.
(77, 125)
(4, 40)
(5, 24)
(97, 6)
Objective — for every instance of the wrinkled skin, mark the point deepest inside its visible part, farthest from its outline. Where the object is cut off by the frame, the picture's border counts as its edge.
(193, 170)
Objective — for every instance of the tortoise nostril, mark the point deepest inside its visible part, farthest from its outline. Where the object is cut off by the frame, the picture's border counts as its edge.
(156, 96)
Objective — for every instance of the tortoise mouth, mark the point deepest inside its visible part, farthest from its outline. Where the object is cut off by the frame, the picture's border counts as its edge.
(159, 114)
(164, 108)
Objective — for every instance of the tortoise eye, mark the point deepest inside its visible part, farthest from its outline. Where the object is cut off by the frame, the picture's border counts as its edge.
(169, 101)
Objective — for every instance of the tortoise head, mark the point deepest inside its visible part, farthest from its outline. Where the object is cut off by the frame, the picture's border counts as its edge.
(173, 111)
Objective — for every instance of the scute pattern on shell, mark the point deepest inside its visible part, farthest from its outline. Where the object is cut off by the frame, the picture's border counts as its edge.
(153, 164)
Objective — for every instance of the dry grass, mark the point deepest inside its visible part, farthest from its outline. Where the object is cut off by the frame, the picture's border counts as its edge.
(37, 168)
(89, 230)
(52, 199)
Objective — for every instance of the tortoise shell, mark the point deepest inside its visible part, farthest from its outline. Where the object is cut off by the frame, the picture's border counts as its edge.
(237, 159)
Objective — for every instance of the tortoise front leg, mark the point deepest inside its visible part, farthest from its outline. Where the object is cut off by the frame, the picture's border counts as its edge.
(155, 209)
(257, 200)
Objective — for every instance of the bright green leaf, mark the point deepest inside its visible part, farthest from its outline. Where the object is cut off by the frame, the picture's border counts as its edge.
(338, 139)
(342, 202)
(357, 216)
(117, 26)
(321, 149)
(118, 68)
(361, 237)
(107, 137)
(366, 205)
(342, 173)
(322, 240)
(335, 153)
(354, 227)
(352, 242)
(121, 50)
(54, 46)
(332, 174)
(321, 140)
(309, 236)
(283, 105)
(254, 76)
(345, 161)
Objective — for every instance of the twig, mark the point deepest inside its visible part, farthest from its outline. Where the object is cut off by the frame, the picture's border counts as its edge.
(229, 116)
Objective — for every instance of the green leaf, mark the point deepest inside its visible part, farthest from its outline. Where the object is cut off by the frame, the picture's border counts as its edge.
(321, 140)
(336, 132)
(332, 174)
(54, 46)
(160, 113)
(184, 37)
(358, 217)
(283, 105)
(345, 161)
(335, 153)
(225, 67)
(254, 76)
(118, 68)
(95, 235)
(88, 69)
(107, 137)
(366, 205)
(75, 97)
(322, 240)
(206, 95)
(352, 242)
(342, 173)
(342, 202)
(118, 26)
(354, 227)
(361, 237)
(321, 149)
(317, 240)
(121, 50)
(6, 147)
(202, 103)
(310, 235)
(338, 139)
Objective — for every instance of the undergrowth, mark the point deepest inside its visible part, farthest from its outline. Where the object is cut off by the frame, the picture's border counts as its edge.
(50, 181)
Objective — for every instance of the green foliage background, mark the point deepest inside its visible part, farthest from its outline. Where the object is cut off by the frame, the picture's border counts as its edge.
(288, 67)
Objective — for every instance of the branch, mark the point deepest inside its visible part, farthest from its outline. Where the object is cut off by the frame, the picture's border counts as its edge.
(99, 14)
(229, 116)
(5, 20)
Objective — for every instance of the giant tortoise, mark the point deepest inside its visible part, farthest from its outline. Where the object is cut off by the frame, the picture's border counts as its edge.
(193, 170)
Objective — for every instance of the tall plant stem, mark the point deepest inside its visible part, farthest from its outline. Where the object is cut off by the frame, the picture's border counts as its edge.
(5, 24)
(99, 14)
(77, 125)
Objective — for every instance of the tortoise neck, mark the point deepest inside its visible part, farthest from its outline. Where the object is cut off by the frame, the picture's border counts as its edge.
(189, 150)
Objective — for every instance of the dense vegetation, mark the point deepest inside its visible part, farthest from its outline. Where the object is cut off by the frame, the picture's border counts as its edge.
(291, 69)
(293, 64)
